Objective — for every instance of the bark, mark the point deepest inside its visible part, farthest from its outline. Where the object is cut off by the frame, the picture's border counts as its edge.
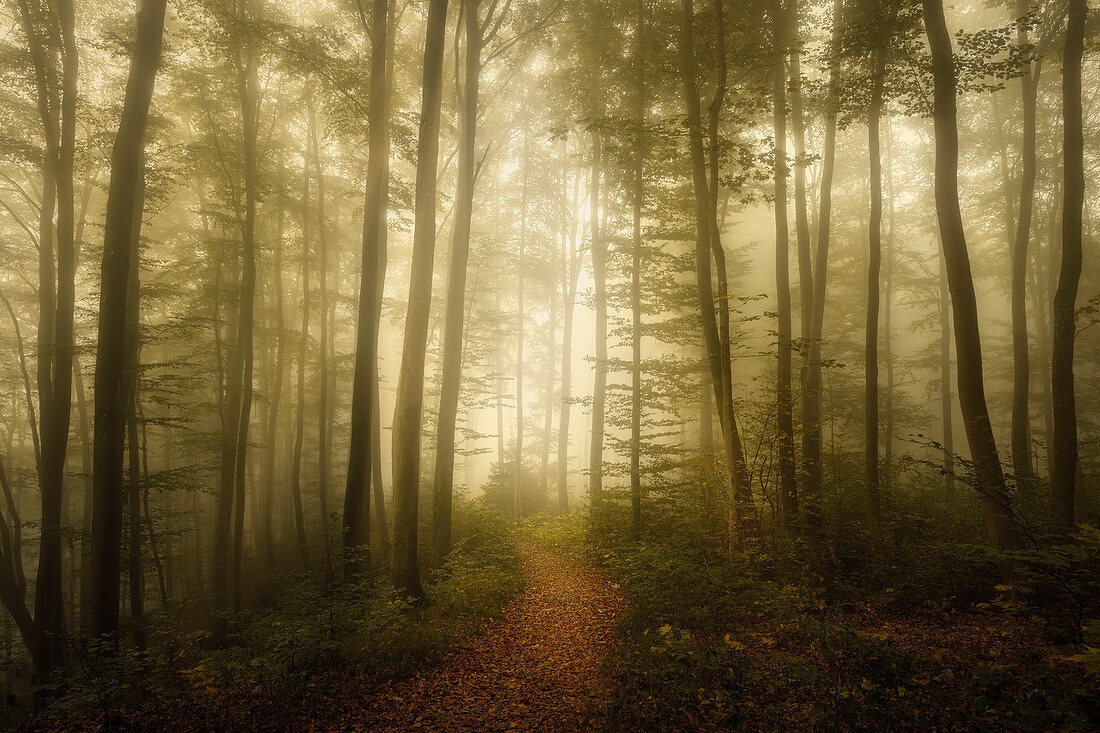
(802, 225)
(300, 412)
(132, 371)
(324, 455)
(1063, 473)
(704, 232)
(1021, 367)
(946, 412)
(267, 500)
(599, 297)
(788, 497)
(112, 384)
(248, 91)
(1000, 522)
(408, 412)
(812, 385)
(638, 195)
(364, 454)
(570, 264)
(451, 359)
(874, 269)
(517, 481)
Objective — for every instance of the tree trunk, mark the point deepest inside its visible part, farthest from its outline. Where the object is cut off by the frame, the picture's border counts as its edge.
(570, 269)
(599, 297)
(408, 412)
(1000, 523)
(112, 383)
(788, 497)
(517, 484)
(802, 225)
(705, 229)
(812, 386)
(1021, 367)
(133, 372)
(451, 359)
(248, 90)
(324, 457)
(874, 268)
(1063, 473)
(636, 276)
(300, 413)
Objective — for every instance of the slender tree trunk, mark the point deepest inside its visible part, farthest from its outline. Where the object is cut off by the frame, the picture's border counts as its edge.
(248, 90)
(408, 412)
(521, 317)
(299, 417)
(812, 387)
(380, 518)
(1000, 522)
(364, 452)
(324, 458)
(636, 275)
(1021, 367)
(451, 359)
(705, 228)
(133, 371)
(802, 225)
(570, 260)
(946, 413)
(267, 500)
(1063, 473)
(599, 288)
(874, 269)
(788, 497)
(124, 203)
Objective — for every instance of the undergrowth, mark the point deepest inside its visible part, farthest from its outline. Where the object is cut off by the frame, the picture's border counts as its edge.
(314, 646)
(902, 630)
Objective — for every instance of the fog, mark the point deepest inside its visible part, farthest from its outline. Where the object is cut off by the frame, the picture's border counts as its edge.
(291, 288)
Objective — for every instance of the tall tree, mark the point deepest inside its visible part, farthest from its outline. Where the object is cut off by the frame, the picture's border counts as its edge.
(879, 23)
(408, 412)
(1000, 522)
(812, 385)
(1063, 473)
(111, 384)
(1021, 367)
(705, 231)
(788, 498)
(638, 201)
(364, 408)
(453, 340)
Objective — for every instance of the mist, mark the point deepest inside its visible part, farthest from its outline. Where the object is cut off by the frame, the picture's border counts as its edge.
(358, 344)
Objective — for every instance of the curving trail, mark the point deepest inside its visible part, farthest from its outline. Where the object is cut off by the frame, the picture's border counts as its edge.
(537, 669)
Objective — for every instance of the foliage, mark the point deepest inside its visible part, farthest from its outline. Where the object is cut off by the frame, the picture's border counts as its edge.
(316, 644)
(802, 635)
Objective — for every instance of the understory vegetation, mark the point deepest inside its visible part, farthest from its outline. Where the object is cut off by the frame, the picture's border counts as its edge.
(906, 628)
(309, 646)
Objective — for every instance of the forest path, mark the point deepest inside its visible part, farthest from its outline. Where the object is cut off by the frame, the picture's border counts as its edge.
(536, 669)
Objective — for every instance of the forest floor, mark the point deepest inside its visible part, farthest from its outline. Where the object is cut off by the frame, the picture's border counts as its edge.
(537, 669)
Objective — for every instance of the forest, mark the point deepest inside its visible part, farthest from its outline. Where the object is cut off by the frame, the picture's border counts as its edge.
(549, 365)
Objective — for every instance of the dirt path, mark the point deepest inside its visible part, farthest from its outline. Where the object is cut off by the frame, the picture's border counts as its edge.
(535, 670)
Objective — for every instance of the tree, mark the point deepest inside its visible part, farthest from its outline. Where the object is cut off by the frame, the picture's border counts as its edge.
(1063, 476)
(638, 200)
(51, 41)
(361, 454)
(811, 384)
(788, 497)
(112, 398)
(1000, 522)
(705, 238)
(410, 386)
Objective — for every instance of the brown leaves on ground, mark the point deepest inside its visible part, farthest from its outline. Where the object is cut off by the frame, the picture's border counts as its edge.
(538, 669)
